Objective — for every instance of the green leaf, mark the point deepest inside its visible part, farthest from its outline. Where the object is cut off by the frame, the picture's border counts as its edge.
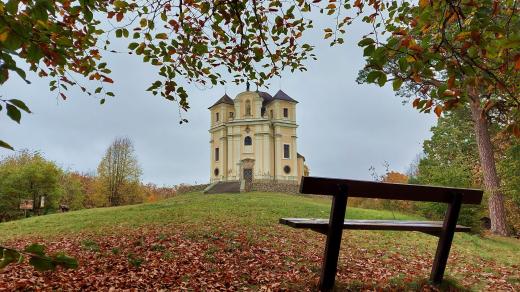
(5, 145)
(143, 22)
(403, 64)
(34, 53)
(20, 104)
(12, 6)
(65, 261)
(382, 79)
(372, 76)
(366, 42)
(42, 263)
(13, 42)
(36, 249)
(120, 4)
(161, 36)
(8, 256)
(39, 12)
(369, 50)
(13, 113)
(88, 14)
(200, 49)
(396, 84)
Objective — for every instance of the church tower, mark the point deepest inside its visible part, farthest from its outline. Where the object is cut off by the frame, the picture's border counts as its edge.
(253, 139)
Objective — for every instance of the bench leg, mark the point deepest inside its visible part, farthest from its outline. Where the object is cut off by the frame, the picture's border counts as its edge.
(330, 257)
(445, 240)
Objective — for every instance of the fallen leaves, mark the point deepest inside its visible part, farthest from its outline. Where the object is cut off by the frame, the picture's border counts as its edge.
(231, 258)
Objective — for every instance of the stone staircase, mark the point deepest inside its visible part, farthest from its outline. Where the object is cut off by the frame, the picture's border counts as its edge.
(223, 187)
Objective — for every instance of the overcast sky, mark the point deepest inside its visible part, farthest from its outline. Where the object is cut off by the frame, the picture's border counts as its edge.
(344, 128)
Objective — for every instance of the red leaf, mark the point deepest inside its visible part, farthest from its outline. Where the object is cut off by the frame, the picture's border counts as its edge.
(416, 102)
(108, 80)
(516, 131)
(119, 16)
(63, 96)
(438, 111)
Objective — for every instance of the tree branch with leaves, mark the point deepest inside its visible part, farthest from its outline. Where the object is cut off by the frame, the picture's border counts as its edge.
(454, 54)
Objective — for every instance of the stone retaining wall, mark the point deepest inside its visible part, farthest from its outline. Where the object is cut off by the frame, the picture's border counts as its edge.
(276, 187)
(183, 189)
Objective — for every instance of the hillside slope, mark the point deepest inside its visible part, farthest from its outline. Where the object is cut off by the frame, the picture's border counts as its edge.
(239, 232)
(253, 209)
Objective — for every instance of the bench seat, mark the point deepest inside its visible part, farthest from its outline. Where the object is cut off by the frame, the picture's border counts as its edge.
(321, 225)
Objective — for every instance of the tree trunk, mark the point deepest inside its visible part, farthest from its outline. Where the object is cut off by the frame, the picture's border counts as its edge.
(487, 162)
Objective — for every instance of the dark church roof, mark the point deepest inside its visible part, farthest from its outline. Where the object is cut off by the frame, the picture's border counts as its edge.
(223, 99)
(283, 96)
(266, 97)
(280, 95)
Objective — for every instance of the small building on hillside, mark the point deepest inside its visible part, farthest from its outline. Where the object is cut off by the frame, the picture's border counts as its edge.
(253, 140)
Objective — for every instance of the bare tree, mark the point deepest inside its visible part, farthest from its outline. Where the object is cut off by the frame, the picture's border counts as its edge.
(119, 172)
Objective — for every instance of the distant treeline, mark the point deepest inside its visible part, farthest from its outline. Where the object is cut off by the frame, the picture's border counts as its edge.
(29, 176)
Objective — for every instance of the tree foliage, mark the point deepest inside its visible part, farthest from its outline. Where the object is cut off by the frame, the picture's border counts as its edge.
(56, 39)
(119, 173)
(451, 159)
(27, 175)
(72, 194)
(451, 155)
(195, 41)
(449, 53)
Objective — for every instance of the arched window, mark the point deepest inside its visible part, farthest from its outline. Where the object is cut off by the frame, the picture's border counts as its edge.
(248, 141)
(248, 107)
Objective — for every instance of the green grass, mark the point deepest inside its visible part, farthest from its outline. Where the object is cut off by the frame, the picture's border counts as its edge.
(247, 211)
(258, 209)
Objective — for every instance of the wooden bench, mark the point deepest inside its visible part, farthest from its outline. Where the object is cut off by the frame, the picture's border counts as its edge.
(341, 189)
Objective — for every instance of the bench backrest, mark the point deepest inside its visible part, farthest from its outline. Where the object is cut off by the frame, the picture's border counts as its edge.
(391, 191)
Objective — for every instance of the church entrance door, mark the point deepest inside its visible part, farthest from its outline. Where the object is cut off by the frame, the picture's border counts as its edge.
(248, 179)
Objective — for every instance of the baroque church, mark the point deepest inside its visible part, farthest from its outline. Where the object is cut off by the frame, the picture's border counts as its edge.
(253, 140)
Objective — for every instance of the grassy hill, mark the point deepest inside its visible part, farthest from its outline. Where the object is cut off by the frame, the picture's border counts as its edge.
(232, 229)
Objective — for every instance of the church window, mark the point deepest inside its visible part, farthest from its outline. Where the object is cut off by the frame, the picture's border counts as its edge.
(216, 154)
(231, 114)
(248, 141)
(248, 107)
(216, 117)
(272, 115)
(286, 151)
(216, 172)
(285, 112)
(287, 169)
